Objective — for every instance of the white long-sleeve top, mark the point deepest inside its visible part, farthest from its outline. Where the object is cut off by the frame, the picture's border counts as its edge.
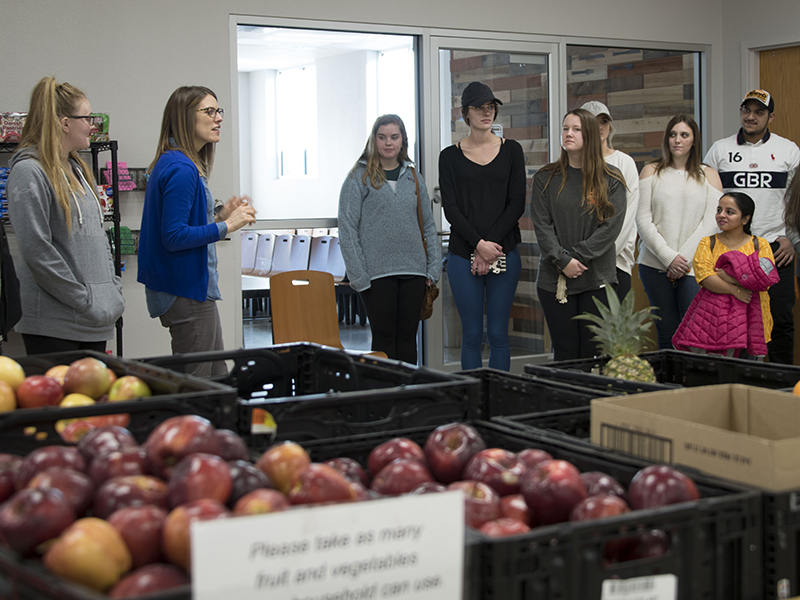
(626, 241)
(675, 213)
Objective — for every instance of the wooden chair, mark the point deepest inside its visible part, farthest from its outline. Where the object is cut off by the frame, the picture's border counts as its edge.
(304, 309)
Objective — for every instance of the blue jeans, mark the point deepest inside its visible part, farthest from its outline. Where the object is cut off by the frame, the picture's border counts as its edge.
(671, 300)
(469, 292)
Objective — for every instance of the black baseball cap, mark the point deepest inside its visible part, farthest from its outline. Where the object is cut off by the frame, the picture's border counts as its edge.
(477, 94)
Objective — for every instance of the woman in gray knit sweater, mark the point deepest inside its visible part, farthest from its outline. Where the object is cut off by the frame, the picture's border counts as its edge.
(379, 234)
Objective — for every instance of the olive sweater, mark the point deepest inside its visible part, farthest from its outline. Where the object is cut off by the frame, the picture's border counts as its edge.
(566, 230)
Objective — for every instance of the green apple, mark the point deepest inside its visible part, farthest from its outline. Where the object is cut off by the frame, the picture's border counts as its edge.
(128, 387)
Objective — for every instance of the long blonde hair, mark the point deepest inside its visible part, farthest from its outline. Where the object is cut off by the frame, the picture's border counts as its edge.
(374, 171)
(594, 168)
(178, 127)
(50, 102)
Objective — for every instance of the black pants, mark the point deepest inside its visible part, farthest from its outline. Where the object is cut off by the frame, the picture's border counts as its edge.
(570, 337)
(41, 344)
(393, 305)
(781, 303)
(623, 285)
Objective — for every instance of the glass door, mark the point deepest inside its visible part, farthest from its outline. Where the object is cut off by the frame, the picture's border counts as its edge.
(523, 75)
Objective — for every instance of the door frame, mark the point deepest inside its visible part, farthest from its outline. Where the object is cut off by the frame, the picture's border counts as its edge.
(482, 42)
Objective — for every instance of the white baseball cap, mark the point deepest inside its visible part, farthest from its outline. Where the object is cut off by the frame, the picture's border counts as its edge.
(597, 109)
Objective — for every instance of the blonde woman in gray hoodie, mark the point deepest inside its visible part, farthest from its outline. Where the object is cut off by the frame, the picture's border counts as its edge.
(71, 296)
(380, 237)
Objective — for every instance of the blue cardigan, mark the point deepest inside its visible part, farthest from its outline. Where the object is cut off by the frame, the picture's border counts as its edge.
(173, 245)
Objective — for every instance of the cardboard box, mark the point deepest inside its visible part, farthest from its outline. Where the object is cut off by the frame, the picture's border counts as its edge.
(737, 432)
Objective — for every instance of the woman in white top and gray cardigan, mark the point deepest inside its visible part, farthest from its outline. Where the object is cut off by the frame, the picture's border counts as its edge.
(677, 203)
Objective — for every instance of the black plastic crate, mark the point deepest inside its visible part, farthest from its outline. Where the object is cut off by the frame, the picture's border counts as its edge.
(24, 430)
(672, 368)
(313, 392)
(715, 551)
(781, 510)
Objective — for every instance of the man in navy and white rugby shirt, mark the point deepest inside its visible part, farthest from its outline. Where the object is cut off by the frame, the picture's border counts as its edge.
(762, 164)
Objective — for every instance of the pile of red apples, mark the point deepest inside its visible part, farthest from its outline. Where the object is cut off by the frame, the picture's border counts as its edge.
(115, 515)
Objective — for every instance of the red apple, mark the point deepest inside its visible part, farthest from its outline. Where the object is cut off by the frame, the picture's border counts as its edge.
(515, 507)
(533, 456)
(76, 430)
(395, 448)
(149, 579)
(120, 463)
(503, 527)
(449, 448)
(103, 440)
(176, 539)
(429, 487)
(551, 490)
(281, 462)
(598, 483)
(400, 477)
(599, 507)
(119, 419)
(33, 516)
(134, 490)
(350, 469)
(39, 390)
(200, 476)
(319, 483)
(497, 468)
(9, 466)
(90, 552)
(65, 457)
(128, 387)
(660, 485)
(77, 487)
(245, 478)
(87, 376)
(177, 438)
(231, 445)
(481, 503)
(142, 528)
(261, 501)
(652, 544)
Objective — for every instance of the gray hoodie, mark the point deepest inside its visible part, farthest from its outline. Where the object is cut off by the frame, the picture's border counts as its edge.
(379, 229)
(68, 286)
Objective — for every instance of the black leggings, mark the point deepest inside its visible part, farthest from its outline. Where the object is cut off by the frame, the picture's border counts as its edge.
(41, 344)
(393, 305)
(570, 337)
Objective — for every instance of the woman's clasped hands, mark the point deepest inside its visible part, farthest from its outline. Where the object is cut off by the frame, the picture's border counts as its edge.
(485, 254)
(237, 212)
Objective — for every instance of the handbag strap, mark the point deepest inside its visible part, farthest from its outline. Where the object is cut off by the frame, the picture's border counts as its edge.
(419, 213)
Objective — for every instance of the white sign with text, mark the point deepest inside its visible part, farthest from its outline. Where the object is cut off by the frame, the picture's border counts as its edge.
(408, 547)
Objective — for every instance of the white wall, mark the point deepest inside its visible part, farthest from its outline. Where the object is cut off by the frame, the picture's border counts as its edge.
(129, 57)
(771, 23)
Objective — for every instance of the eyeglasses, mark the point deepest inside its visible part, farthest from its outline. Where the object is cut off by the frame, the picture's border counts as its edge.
(213, 112)
(489, 107)
(88, 118)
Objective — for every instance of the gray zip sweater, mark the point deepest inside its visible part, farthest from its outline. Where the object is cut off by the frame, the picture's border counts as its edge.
(379, 229)
(67, 282)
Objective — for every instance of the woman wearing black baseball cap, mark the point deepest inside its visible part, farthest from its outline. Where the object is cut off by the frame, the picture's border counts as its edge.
(482, 180)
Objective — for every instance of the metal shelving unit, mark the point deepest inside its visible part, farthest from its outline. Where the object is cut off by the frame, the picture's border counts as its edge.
(95, 148)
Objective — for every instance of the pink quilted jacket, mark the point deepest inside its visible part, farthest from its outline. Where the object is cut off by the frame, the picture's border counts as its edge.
(719, 322)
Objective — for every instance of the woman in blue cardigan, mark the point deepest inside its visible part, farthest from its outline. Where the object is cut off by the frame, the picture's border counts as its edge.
(177, 255)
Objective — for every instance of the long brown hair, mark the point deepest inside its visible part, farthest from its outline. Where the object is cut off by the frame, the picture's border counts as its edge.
(375, 172)
(791, 214)
(594, 169)
(50, 102)
(694, 166)
(178, 123)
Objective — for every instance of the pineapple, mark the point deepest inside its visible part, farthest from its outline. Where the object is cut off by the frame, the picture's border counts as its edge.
(622, 334)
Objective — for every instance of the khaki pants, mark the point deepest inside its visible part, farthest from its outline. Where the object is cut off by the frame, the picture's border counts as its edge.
(195, 327)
